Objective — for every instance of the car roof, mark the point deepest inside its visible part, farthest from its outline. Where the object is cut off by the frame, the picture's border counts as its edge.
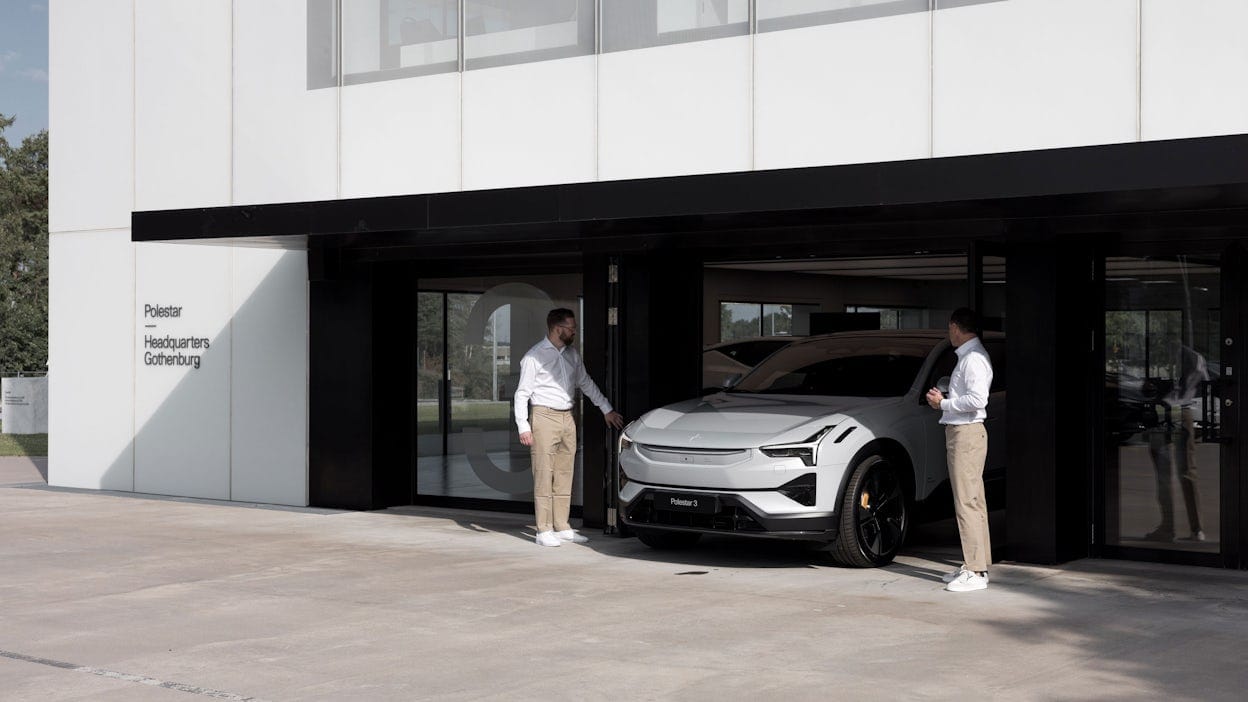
(781, 340)
(893, 334)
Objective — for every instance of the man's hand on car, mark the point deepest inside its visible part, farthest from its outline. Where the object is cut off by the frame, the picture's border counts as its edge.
(615, 420)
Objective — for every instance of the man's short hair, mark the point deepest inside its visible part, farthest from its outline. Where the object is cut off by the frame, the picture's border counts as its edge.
(965, 319)
(558, 316)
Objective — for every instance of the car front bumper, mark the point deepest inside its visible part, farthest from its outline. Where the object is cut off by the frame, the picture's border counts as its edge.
(719, 512)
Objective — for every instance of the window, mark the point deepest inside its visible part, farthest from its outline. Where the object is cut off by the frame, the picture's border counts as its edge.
(637, 24)
(789, 14)
(900, 317)
(742, 320)
(371, 40)
(386, 39)
(501, 32)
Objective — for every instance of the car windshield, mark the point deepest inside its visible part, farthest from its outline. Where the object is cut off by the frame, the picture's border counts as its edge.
(848, 366)
(752, 352)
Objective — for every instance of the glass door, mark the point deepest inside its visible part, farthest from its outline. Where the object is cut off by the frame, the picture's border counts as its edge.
(1162, 431)
(471, 336)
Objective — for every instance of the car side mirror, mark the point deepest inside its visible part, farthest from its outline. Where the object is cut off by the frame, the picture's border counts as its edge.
(731, 381)
(943, 384)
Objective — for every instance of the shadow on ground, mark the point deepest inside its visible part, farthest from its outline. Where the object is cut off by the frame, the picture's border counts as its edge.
(935, 541)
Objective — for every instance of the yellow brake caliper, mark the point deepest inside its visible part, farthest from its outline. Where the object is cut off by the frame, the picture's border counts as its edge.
(866, 500)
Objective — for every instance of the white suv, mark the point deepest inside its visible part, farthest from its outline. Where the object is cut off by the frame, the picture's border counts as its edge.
(828, 439)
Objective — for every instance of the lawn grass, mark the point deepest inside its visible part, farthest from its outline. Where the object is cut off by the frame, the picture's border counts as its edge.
(465, 411)
(23, 444)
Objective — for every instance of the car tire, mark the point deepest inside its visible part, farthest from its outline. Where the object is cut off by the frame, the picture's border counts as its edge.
(667, 540)
(874, 515)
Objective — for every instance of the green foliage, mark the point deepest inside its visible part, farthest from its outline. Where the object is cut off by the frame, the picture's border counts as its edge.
(23, 444)
(23, 251)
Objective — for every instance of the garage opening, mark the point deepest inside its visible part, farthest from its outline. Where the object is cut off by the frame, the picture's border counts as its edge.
(751, 308)
(790, 346)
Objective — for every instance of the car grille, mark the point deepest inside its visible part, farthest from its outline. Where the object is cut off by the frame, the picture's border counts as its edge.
(693, 456)
(729, 518)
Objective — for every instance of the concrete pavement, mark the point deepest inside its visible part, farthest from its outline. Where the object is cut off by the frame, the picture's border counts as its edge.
(107, 596)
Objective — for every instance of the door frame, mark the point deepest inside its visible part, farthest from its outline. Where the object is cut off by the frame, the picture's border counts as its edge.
(428, 271)
(1233, 532)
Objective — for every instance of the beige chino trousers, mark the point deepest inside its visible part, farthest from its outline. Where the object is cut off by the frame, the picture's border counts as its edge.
(554, 454)
(966, 446)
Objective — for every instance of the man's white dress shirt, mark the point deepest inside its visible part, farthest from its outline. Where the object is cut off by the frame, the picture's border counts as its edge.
(967, 399)
(549, 377)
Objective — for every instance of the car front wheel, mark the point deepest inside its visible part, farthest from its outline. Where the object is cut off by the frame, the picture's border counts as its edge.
(874, 516)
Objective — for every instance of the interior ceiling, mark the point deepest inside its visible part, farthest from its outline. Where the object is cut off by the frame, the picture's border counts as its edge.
(953, 268)
(1128, 267)
(918, 267)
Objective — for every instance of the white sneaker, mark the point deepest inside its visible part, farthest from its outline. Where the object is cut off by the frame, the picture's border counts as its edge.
(967, 581)
(1196, 536)
(570, 535)
(950, 577)
(548, 538)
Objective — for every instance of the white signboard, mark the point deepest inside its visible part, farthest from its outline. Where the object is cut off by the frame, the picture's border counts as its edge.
(25, 405)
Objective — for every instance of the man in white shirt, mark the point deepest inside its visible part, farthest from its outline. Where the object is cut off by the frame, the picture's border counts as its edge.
(550, 373)
(966, 444)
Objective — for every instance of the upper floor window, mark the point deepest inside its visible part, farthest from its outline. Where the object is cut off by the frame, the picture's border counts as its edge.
(637, 24)
(384, 39)
(371, 40)
(501, 32)
(788, 14)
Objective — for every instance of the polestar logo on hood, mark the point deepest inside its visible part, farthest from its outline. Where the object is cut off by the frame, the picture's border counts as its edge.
(695, 437)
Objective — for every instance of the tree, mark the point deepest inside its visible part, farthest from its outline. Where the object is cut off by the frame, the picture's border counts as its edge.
(23, 252)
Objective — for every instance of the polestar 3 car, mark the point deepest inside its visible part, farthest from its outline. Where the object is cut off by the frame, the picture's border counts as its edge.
(828, 439)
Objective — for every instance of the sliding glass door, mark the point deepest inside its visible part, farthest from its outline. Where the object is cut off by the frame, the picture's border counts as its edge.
(1163, 427)
(471, 336)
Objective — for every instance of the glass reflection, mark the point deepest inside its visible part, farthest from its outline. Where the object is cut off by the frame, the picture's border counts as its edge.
(501, 32)
(1162, 361)
(395, 38)
(789, 14)
(471, 336)
(637, 24)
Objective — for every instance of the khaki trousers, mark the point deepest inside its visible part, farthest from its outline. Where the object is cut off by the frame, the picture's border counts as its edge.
(554, 453)
(966, 447)
(1159, 441)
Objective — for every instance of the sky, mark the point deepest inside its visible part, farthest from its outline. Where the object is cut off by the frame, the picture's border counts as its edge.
(24, 66)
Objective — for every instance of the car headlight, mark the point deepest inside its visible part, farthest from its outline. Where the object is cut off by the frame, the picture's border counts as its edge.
(804, 450)
(625, 444)
(806, 453)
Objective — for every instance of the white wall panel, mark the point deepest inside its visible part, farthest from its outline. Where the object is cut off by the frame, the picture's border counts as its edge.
(182, 413)
(90, 365)
(182, 85)
(285, 136)
(90, 102)
(674, 110)
(401, 136)
(1194, 59)
(529, 124)
(1034, 74)
(852, 92)
(269, 396)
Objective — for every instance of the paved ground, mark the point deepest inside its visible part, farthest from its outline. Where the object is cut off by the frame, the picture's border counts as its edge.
(114, 597)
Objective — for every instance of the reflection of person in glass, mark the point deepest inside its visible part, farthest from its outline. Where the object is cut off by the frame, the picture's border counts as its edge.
(1163, 433)
(550, 373)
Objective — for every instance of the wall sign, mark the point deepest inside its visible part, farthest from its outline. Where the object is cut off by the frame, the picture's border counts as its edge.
(168, 349)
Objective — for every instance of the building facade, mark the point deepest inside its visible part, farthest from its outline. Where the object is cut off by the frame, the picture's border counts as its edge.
(299, 246)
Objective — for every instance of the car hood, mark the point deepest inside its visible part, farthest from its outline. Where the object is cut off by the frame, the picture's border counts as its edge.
(729, 420)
